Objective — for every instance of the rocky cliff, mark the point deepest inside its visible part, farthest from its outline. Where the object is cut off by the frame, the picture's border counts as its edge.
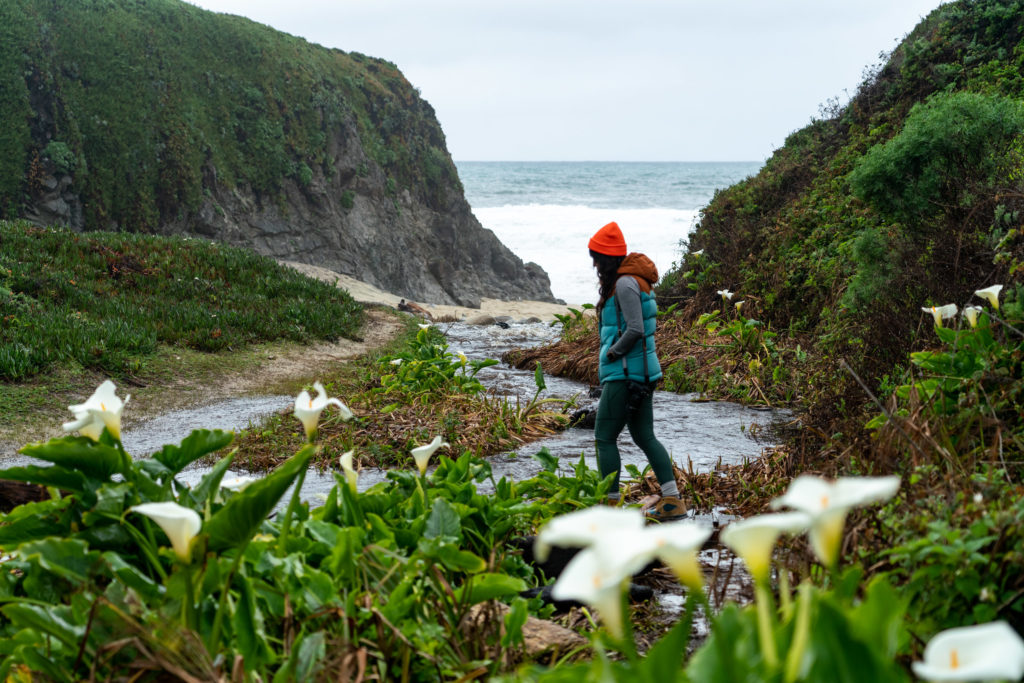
(157, 116)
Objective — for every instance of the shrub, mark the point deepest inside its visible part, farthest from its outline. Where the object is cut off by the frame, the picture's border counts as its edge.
(950, 147)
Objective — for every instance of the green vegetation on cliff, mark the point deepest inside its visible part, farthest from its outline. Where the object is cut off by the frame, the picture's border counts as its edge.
(911, 195)
(150, 103)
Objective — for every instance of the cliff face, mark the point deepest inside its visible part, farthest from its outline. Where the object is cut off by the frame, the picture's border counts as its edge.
(157, 116)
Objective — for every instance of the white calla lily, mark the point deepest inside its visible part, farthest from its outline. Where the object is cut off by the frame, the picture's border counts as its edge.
(102, 409)
(351, 476)
(990, 294)
(739, 305)
(422, 454)
(423, 326)
(181, 524)
(395, 361)
(939, 313)
(753, 539)
(596, 577)
(828, 502)
(971, 313)
(584, 527)
(725, 293)
(308, 409)
(237, 483)
(983, 652)
(676, 545)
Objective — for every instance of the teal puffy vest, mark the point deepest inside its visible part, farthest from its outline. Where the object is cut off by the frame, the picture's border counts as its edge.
(612, 370)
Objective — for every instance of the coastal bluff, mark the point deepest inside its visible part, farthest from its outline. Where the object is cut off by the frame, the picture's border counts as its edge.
(156, 116)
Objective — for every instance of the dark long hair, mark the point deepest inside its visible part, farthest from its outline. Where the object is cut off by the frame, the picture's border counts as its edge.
(607, 274)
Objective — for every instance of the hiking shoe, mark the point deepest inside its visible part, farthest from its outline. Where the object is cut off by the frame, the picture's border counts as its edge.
(668, 508)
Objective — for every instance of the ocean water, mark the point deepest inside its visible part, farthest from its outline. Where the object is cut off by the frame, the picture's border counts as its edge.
(546, 212)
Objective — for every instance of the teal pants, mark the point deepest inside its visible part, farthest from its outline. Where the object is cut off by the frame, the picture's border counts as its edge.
(612, 416)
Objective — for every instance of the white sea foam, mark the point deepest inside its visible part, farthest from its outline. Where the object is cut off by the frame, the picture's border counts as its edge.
(555, 237)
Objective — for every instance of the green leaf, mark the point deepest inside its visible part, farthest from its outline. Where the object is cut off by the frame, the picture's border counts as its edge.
(210, 483)
(67, 558)
(79, 453)
(49, 619)
(547, 460)
(194, 446)
(240, 518)
(132, 577)
(58, 477)
(489, 586)
(515, 619)
(538, 378)
(248, 626)
(33, 521)
(443, 522)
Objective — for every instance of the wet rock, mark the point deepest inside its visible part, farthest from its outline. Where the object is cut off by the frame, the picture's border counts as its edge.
(481, 320)
(530, 321)
(539, 636)
(584, 418)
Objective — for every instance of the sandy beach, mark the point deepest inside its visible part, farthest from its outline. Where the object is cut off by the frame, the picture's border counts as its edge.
(368, 294)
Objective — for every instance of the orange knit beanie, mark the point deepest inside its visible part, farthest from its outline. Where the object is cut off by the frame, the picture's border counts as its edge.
(608, 241)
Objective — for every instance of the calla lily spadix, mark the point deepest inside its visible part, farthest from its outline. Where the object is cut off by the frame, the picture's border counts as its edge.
(351, 476)
(308, 409)
(753, 539)
(181, 524)
(102, 409)
(990, 294)
(725, 293)
(971, 313)
(422, 454)
(984, 652)
(584, 527)
(940, 312)
(828, 502)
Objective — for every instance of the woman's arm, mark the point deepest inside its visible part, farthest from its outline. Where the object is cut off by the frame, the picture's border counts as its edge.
(627, 294)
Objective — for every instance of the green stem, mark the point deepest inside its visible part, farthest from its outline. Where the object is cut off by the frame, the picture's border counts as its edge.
(765, 626)
(800, 635)
(189, 608)
(222, 603)
(286, 523)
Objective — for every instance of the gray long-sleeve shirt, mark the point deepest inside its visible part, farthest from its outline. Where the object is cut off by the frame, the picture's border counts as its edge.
(627, 294)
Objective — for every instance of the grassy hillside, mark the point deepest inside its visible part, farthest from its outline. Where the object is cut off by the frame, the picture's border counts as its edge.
(105, 301)
(196, 99)
(910, 196)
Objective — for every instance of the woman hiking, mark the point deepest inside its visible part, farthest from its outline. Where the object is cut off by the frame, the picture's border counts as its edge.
(627, 314)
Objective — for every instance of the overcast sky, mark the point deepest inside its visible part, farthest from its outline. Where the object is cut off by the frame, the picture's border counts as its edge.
(625, 80)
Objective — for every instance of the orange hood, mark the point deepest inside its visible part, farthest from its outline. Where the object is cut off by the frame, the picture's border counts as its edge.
(641, 268)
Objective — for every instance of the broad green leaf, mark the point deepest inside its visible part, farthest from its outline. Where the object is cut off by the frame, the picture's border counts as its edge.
(80, 453)
(33, 521)
(489, 586)
(49, 619)
(194, 446)
(443, 521)
(132, 577)
(67, 558)
(240, 518)
(56, 476)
